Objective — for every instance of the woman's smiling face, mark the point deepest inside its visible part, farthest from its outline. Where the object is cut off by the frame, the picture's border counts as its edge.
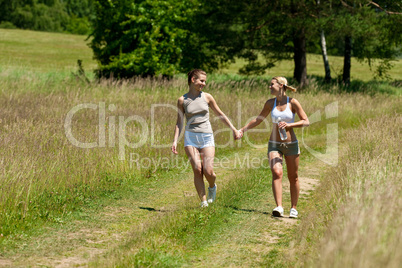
(275, 87)
(200, 82)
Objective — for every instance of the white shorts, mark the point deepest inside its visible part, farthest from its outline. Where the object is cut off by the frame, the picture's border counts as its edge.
(198, 140)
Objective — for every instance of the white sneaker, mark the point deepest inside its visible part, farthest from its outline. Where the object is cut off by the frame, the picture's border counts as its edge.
(293, 213)
(277, 212)
(212, 194)
(204, 204)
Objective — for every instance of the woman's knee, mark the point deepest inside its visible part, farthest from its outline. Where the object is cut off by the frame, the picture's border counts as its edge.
(277, 173)
(209, 171)
(293, 178)
(197, 170)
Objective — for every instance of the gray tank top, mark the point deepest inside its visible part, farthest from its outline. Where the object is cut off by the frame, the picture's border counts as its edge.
(197, 114)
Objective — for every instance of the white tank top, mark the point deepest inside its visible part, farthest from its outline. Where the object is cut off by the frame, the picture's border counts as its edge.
(285, 115)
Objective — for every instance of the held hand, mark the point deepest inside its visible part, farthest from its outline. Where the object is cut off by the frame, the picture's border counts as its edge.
(237, 134)
(240, 134)
(174, 148)
(283, 125)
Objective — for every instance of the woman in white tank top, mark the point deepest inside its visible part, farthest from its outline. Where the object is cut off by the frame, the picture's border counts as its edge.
(283, 110)
(198, 137)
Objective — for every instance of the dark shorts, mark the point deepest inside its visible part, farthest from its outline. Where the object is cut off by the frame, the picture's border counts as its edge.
(284, 148)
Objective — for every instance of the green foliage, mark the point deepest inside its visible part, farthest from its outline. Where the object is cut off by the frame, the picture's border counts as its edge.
(274, 30)
(40, 17)
(47, 15)
(78, 25)
(7, 25)
(151, 38)
(81, 14)
(374, 31)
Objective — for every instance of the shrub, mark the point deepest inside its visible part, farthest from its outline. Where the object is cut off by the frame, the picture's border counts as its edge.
(7, 25)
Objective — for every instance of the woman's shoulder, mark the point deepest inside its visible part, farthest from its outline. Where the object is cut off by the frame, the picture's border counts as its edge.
(270, 102)
(295, 105)
(208, 97)
(206, 94)
(181, 99)
(294, 101)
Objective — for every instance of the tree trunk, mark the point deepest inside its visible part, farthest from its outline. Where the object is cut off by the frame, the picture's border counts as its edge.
(347, 60)
(325, 58)
(324, 52)
(300, 72)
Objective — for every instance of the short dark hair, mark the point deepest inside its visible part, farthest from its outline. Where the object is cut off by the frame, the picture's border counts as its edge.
(195, 73)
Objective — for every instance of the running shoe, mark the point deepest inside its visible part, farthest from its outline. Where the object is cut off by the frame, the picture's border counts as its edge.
(212, 194)
(293, 213)
(204, 204)
(277, 212)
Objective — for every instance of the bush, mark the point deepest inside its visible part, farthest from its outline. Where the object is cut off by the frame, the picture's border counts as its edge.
(79, 25)
(73, 16)
(7, 25)
(40, 17)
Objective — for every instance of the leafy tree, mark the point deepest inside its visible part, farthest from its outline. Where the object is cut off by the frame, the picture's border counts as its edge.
(7, 8)
(82, 15)
(287, 29)
(366, 31)
(147, 38)
(48, 15)
(40, 17)
(275, 30)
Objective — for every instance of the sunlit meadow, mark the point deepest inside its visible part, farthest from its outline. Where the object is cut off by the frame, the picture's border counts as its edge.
(353, 219)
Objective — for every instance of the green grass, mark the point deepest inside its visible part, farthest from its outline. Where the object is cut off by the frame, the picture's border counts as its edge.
(71, 199)
(45, 162)
(190, 235)
(315, 68)
(43, 51)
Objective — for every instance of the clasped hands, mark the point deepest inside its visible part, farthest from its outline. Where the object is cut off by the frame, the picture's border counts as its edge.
(237, 134)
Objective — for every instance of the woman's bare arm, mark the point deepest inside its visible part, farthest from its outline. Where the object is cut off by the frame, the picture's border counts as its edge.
(263, 114)
(179, 124)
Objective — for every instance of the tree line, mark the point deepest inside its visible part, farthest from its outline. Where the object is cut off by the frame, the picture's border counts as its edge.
(71, 16)
(164, 37)
(161, 37)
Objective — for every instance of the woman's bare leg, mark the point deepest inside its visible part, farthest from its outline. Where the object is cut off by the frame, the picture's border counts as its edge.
(207, 156)
(194, 156)
(275, 162)
(292, 164)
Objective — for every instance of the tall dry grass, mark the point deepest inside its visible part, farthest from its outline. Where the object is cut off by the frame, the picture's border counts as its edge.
(44, 176)
(355, 220)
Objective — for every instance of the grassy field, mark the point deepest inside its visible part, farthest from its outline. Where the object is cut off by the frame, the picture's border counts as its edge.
(315, 67)
(116, 206)
(56, 54)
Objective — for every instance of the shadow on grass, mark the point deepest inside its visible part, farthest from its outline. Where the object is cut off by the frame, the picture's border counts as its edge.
(151, 209)
(250, 210)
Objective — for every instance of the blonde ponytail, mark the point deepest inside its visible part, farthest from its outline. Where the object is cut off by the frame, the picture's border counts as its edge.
(282, 80)
(290, 87)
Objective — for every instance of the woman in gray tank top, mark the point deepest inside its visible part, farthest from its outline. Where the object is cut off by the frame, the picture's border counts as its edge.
(198, 137)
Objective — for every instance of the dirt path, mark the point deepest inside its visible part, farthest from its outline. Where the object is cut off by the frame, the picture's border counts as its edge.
(249, 243)
(79, 242)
